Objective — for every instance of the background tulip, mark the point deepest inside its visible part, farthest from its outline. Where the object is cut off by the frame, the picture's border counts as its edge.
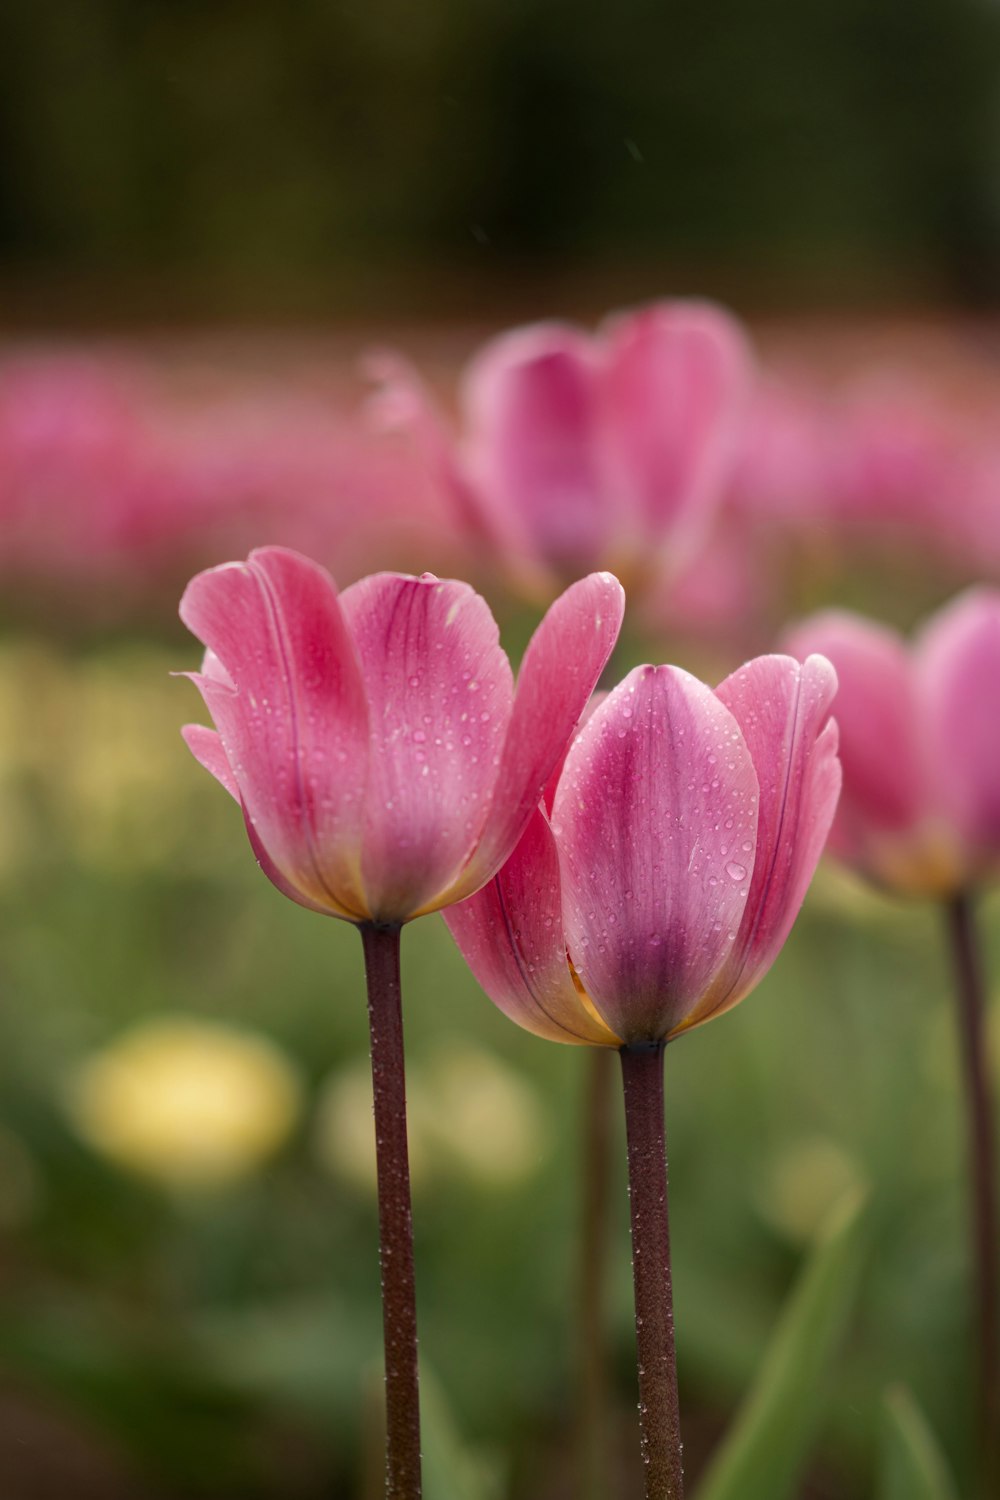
(685, 828)
(578, 450)
(920, 744)
(920, 816)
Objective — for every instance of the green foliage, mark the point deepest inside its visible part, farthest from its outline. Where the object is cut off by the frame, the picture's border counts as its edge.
(451, 1471)
(913, 1466)
(204, 1335)
(766, 1448)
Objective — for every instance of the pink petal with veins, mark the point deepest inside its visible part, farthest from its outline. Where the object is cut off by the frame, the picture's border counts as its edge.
(783, 710)
(561, 666)
(283, 686)
(652, 815)
(206, 747)
(439, 694)
(511, 936)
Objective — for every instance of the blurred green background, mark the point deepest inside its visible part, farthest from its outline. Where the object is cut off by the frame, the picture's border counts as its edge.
(174, 1329)
(336, 156)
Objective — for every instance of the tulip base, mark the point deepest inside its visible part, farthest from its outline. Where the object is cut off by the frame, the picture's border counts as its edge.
(659, 1409)
(399, 1306)
(970, 994)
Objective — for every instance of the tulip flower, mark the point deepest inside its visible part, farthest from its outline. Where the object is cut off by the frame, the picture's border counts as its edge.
(920, 745)
(578, 451)
(920, 817)
(386, 766)
(651, 891)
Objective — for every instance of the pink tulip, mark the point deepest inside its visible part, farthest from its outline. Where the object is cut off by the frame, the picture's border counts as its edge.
(781, 467)
(384, 762)
(920, 815)
(72, 460)
(578, 450)
(920, 744)
(899, 460)
(660, 887)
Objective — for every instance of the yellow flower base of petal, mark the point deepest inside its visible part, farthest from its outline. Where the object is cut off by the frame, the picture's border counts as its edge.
(189, 1103)
(927, 864)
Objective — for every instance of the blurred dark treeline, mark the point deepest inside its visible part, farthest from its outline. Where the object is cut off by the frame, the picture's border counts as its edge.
(839, 149)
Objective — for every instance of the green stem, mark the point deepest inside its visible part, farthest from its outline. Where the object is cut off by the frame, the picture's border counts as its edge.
(592, 1436)
(970, 994)
(399, 1305)
(659, 1411)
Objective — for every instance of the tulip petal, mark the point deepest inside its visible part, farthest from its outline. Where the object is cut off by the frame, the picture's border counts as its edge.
(957, 669)
(674, 389)
(783, 710)
(283, 685)
(564, 659)
(439, 695)
(404, 402)
(885, 783)
(655, 818)
(510, 934)
(206, 747)
(531, 407)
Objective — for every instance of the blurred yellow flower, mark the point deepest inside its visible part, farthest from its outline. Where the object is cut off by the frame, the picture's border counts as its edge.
(90, 757)
(344, 1130)
(487, 1117)
(804, 1181)
(468, 1114)
(191, 1103)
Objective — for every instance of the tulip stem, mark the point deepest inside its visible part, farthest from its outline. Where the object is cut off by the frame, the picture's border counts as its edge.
(395, 1220)
(592, 1417)
(659, 1410)
(971, 997)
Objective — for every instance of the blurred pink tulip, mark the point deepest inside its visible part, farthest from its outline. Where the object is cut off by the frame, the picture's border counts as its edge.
(920, 744)
(73, 458)
(781, 468)
(662, 883)
(578, 451)
(384, 762)
(899, 462)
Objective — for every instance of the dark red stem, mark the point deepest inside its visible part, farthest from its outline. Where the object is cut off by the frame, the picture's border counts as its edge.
(395, 1220)
(659, 1411)
(970, 994)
